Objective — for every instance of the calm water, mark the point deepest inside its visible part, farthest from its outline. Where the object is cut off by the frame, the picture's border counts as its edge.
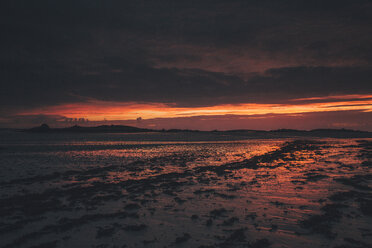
(183, 190)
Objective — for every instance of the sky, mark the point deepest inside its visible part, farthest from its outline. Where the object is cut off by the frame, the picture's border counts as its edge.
(232, 64)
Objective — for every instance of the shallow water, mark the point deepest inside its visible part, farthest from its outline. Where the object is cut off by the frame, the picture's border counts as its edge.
(183, 190)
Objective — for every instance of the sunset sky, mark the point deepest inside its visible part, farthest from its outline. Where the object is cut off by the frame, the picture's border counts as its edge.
(263, 64)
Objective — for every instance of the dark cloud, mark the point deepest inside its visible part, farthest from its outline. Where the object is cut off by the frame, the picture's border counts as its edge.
(191, 53)
(114, 79)
(192, 87)
(337, 29)
(297, 82)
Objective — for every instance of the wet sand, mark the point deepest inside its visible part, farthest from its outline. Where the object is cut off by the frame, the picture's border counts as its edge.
(230, 193)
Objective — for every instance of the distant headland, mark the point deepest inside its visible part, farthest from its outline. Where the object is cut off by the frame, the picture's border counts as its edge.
(44, 128)
(335, 133)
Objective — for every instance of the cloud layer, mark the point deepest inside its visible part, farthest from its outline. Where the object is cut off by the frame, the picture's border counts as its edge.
(182, 53)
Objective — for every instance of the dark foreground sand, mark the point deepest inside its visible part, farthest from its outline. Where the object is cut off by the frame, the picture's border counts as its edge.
(256, 193)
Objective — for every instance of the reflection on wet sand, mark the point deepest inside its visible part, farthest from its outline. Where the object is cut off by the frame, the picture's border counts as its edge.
(255, 193)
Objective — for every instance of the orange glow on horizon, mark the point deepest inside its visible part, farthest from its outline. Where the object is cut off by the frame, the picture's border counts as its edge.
(100, 110)
(354, 96)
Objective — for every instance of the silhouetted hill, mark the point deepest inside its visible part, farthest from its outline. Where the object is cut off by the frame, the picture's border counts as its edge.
(279, 133)
(288, 133)
(331, 133)
(44, 128)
